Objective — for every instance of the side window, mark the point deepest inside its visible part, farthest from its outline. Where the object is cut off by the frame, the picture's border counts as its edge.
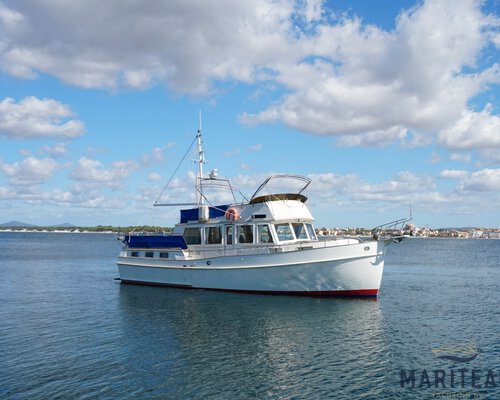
(300, 231)
(311, 232)
(264, 234)
(244, 233)
(213, 235)
(229, 234)
(192, 236)
(284, 232)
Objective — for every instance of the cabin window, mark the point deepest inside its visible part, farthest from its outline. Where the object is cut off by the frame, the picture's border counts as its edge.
(213, 235)
(300, 231)
(192, 235)
(310, 230)
(229, 234)
(149, 254)
(284, 232)
(163, 254)
(264, 234)
(244, 233)
(134, 254)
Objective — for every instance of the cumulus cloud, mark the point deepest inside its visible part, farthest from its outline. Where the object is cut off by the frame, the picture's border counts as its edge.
(113, 44)
(368, 81)
(375, 138)
(59, 197)
(473, 130)
(460, 157)
(453, 174)
(337, 76)
(37, 118)
(485, 180)
(30, 171)
(91, 171)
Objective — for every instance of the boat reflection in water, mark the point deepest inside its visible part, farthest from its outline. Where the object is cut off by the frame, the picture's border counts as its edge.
(265, 346)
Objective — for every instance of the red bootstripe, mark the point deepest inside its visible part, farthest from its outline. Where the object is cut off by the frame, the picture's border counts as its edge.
(320, 293)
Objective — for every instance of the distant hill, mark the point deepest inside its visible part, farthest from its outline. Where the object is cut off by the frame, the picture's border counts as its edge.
(16, 224)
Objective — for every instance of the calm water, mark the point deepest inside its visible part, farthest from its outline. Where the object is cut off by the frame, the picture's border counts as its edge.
(70, 331)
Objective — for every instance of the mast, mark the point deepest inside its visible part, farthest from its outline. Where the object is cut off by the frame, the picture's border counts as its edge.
(201, 161)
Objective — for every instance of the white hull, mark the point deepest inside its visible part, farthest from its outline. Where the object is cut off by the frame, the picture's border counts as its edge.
(351, 269)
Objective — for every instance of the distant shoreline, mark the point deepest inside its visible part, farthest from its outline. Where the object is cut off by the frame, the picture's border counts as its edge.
(53, 231)
(156, 230)
(87, 229)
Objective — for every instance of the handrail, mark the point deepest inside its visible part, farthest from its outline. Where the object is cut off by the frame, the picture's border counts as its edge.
(392, 229)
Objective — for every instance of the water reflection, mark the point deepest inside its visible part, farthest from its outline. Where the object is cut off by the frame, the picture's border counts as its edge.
(216, 343)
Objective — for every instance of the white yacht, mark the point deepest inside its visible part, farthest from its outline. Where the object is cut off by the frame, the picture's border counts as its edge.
(266, 244)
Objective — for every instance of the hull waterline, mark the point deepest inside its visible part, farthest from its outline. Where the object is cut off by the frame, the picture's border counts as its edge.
(342, 271)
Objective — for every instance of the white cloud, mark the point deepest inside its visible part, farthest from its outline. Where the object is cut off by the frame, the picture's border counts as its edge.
(485, 180)
(37, 118)
(340, 78)
(453, 174)
(30, 171)
(375, 138)
(57, 150)
(393, 195)
(154, 177)
(460, 157)
(59, 197)
(473, 130)
(405, 187)
(92, 171)
(156, 155)
(116, 43)
(367, 81)
(490, 156)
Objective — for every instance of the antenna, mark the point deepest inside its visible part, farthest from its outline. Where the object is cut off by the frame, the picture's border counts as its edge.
(201, 161)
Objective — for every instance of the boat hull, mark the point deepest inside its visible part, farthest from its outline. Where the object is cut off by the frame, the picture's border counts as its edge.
(353, 270)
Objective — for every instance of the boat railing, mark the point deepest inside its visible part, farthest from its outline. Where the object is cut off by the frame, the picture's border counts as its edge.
(397, 229)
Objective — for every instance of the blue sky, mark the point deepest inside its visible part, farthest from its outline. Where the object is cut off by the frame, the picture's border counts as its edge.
(382, 104)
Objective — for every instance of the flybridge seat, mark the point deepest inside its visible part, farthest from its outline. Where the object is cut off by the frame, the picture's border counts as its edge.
(192, 213)
(156, 242)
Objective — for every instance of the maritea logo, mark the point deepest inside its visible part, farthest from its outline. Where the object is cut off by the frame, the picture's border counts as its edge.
(457, 376)
(459, 354)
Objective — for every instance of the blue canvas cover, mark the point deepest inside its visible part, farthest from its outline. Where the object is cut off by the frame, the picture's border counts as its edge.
(192, 213)
(156, 241)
